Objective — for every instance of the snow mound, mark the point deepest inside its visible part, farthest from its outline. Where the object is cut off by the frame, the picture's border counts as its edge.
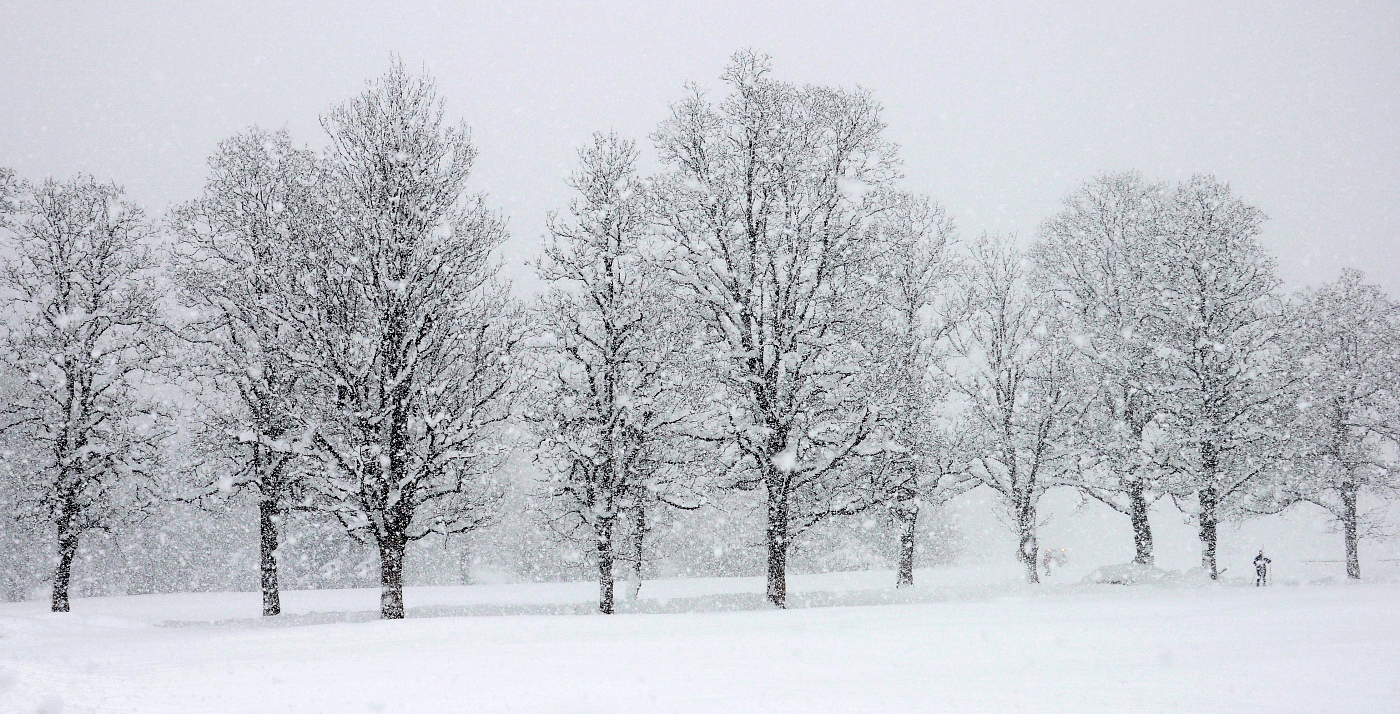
(1129, 574)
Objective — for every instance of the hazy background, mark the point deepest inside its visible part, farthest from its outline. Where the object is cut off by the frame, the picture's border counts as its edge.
(1001, 110)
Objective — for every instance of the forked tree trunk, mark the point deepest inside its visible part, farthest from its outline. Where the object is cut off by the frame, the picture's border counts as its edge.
(67, 549)
(391, 552)
(267, 540)
(604, 545)
(908, 515)
(776, 540)
(1142, 529)
(1209, 522)
(1349, 490)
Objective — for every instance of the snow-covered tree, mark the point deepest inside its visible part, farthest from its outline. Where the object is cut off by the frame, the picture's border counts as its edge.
(82, 341)
(1100, 258)
(18, 562)
(1344, 347)
(25, 560)
(1218, 352)
(236, 259)
(920, 464)
(9, 186)
(407, 339)
(608, 387)
(766, 201)
(1011, 364)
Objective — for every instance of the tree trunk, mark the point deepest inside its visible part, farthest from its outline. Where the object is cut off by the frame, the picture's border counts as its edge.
(391, 551)
(1349, 490)
(464, 565)
(398, 513)
(1208, 520)
(639, 534)
(1142, 529)
(604, 545)
(67, 548)
(908, 514)
(1029, 546)
(776, 541)
(1210, 500)
(267, 539)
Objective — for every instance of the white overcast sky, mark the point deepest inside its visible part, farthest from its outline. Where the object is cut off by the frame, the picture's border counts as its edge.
(1000, 109)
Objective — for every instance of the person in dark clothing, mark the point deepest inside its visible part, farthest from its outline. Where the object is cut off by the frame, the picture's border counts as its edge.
(1261, 569)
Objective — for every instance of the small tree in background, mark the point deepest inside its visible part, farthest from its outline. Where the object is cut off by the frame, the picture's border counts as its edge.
(25, 557)
(19, 551)
(9, 186)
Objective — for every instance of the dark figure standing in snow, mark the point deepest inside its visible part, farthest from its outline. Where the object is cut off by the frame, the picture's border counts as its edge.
(1261, 570)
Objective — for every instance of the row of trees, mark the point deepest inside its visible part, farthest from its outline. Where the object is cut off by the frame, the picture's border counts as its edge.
(768, 316)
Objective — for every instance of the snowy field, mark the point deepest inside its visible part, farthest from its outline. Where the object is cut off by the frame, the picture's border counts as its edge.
(967, 640)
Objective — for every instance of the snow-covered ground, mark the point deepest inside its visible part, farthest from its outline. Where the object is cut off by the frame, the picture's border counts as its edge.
(965, 640)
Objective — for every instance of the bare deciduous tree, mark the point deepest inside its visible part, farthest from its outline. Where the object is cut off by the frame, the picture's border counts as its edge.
(1100, 257)
(1221, 381)
(766, 203)
(1345, 350)
(1012, 365)
(920, 464)
(407, 338)
(84, 340)
(608, 379)
(235, 262)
